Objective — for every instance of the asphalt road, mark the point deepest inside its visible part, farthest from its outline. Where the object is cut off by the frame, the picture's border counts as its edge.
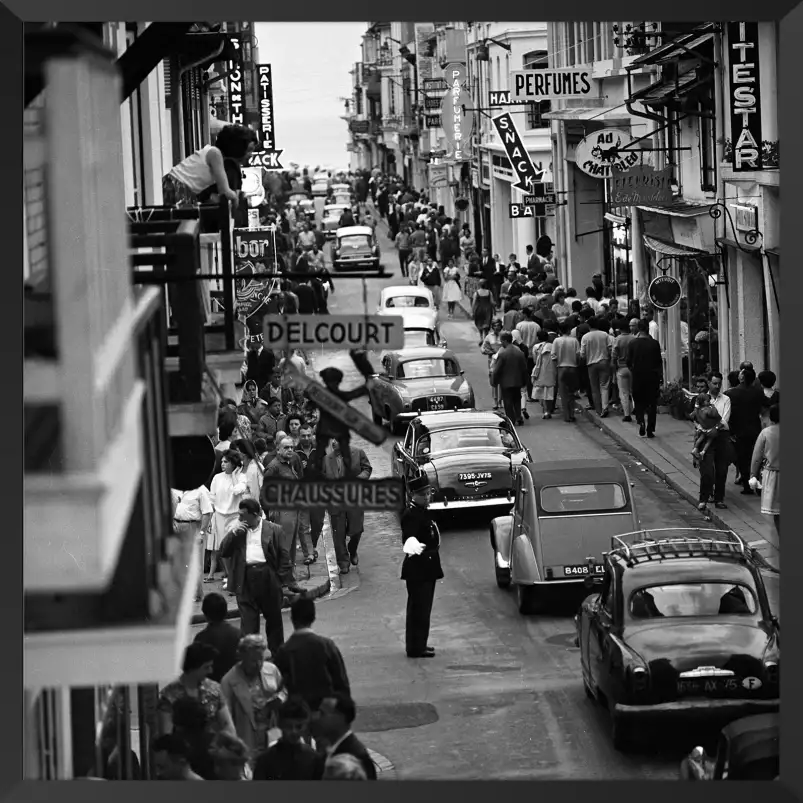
(503, 699)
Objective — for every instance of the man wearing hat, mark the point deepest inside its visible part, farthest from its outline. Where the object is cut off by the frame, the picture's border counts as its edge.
(421, 568)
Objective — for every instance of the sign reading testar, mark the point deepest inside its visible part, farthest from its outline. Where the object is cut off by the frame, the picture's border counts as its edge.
(602, 154)
(745, 89)
(516, 152)
(536, 85)
(333, 332)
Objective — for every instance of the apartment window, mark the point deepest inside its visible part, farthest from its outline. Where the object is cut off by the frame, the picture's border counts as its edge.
(536, 60)
(707, 134)
(673, 152)
(570, 44)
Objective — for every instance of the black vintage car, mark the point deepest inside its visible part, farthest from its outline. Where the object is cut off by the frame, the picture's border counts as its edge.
(681, 627)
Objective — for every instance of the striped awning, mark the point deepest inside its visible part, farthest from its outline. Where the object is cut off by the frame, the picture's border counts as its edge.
(671, 249)
(597, 114)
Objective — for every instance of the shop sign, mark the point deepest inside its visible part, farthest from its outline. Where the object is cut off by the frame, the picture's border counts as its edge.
(234, 85)
(254, 257)
(267, 131)
(746, 217)
(438, 176)
(664, 292)
(527, 210)
(360, 126)
(435, 86)
(267, 159)
(642, 184)
(425, 65)
(536, 85)
(502, 98)
(333, 332)
(433, 103)
(384, 494)
(520, 160)
(457, 115)
(602, 154)
(455, 72)
(745, 96)
(433, 121)
(539, 196)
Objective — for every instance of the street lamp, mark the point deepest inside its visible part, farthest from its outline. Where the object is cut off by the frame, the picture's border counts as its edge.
(482, 49)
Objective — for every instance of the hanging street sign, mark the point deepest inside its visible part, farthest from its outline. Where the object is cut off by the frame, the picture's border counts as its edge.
(435, 86)
(520, 160)
(525, 210)
(502, 98)
(333, 332)
(360, 126)
(433, 121)
(455, 72)
(664, 292)
(346, 494)
(457, 116)
(234, 84)
(267, 159)
(539, 196)
(642, 184)
(536, 85)
(745, 96)
(433, 103)
(603, 155)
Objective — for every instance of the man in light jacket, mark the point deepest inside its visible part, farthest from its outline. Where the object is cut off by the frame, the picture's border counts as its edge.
(595, 350)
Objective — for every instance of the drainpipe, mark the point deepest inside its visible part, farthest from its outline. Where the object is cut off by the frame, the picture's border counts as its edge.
(723, 322)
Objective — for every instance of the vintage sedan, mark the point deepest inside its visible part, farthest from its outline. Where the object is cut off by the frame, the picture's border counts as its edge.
(469, 456)
(296, 197)
(420, 332)
(681, 628)
(413, 303)
(331, 218)
(355, 247)
(416, 380)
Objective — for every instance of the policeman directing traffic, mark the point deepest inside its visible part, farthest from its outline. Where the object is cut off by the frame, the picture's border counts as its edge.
(421, 568)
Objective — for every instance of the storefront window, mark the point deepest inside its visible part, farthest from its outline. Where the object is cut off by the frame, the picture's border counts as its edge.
(699, 310)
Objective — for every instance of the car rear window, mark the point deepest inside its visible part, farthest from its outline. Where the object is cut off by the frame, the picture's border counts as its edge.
(444, 440)
(355, 241)
(583, 498)
(692, 599)
(407, 301)
(414, 338)
(415, 369)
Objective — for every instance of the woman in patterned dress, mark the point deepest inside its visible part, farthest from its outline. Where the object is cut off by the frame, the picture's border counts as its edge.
(227, 490)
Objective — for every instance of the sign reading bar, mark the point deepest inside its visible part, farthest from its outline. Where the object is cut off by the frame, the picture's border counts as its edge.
(267, 159)
(535, 85)
(523, 210)
(745, 96)
(234, 84)
(642, 184)
(520, 160)
(602, 154)
(336, 407)
(267, 132)
(664, 292)
(502, 98)
(384, 494)
(433, 121)
(333, 332)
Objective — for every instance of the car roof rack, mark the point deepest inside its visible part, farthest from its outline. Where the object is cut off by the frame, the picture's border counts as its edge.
(678, 542)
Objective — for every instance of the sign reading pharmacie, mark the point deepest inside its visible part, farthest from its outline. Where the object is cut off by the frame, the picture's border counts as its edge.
(642, 184)
(333, 332)
(546, 84)
(664, 292)
(350, 494)
(457, 114)
(520, 160)
(745, 96)
(603, 153)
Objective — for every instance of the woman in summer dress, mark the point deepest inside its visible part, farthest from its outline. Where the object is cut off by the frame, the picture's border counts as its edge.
(227, 490)
(767, 461)
(545, 374)
(482, 307)
(490, 347)
(451, 291)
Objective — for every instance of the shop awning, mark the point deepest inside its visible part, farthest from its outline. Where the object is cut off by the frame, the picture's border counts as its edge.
(163, 39)
(666, 92)
(672, 250)
(776, 252)
(677, 48)
(596, 114)
(678, 209)
(617, 219)
(733, 244)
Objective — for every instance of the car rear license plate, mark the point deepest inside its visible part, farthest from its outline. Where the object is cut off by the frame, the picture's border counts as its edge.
(581, 569)
(703, 686)
(436, 403)
(476, 475)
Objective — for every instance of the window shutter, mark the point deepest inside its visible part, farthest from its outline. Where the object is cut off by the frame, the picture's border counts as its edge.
(168, 83)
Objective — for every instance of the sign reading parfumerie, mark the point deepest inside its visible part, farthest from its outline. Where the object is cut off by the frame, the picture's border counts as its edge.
(384, 494)
(333, 332)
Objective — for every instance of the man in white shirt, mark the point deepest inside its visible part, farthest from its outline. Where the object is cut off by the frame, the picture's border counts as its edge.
(716, 462)
(595, 350)
(654, 328)
(192, 512)
(306, 239)
(591, 299)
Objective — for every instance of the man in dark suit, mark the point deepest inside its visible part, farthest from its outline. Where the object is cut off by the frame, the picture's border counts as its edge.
(421, 568)
(258, 561)
(311, 665)
(646, 369)
(337, 714)
(219, 634)
(261, 364)
(346, 523)
(510, 373)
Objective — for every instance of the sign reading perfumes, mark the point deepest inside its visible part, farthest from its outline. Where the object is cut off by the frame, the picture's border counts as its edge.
(745, 96)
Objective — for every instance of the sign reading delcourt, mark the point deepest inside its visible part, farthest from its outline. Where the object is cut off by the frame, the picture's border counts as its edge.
(745, 96)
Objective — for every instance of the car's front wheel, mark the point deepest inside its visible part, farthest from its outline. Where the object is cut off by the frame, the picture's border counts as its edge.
(502, 576)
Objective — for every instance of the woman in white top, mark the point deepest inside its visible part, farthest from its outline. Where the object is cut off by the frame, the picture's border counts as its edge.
(192, 513)
(490, 347)
(451, 290)
(227, 490)
(202, 175)
(252, 468)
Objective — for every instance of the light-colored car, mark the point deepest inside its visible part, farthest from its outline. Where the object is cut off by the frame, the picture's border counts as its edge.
(341, 187)
(296, 197)
(331, 218)
(419, 330)
(307, 206)
(415, 304)
(413, 381)
(355, 247)
(320, 186)
(343, 198)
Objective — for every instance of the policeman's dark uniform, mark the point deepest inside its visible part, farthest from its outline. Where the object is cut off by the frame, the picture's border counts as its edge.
(420, 572)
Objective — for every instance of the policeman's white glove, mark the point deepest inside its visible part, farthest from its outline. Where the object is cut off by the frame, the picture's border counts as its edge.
(412, 546)
(754, 483)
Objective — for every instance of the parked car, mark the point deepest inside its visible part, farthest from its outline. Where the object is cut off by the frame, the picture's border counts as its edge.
(356, 247)
(748, 750)
(564, 516)
(419, 330)
(320, 186)
(469, 456)
(307, 206)
(416, 380)
(296, 197)
(331, 218)
(681, 627)
(412, 303)
(344, 199)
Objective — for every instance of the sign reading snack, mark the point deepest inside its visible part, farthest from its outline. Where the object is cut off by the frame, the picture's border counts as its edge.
(602, 154)
(267, 159)
(333, 332)
(664, 292)
(745, 95)
(384, 494)
(642, 184)
(520, 160)
(535, 85)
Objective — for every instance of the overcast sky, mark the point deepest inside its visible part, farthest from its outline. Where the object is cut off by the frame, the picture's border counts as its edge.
(310, 64)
